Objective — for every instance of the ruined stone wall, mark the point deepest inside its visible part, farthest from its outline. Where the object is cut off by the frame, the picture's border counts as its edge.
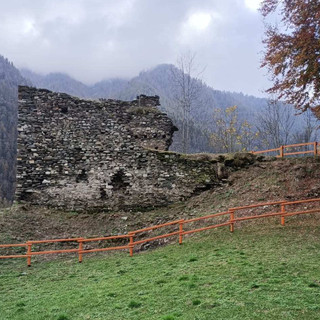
(107, 154)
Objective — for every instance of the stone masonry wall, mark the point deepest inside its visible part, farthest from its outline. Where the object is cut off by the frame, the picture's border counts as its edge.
(107, 154)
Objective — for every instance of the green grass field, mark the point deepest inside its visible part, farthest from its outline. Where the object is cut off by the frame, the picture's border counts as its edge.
(268, 272)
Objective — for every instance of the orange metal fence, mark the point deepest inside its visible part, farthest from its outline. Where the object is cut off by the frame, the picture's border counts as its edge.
(278, 208)
(312, 146)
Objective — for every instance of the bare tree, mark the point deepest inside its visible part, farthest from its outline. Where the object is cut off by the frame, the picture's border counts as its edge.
(275, 124)
(187, 86)
(309, 130)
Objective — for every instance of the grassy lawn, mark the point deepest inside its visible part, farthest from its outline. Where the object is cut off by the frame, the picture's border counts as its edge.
(268, 272)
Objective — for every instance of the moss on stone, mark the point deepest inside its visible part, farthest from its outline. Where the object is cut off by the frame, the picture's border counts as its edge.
(143, 110)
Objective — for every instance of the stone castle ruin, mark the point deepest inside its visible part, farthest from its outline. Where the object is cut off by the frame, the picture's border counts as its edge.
(108, 154)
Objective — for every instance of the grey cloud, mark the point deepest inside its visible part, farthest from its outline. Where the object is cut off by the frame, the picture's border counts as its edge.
(96, 39)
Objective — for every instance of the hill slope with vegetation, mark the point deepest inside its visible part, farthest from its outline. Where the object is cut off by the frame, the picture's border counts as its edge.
(252, 274)
(261, 271)
(285, 179)
(248, 119)
(160, 81)
(10, 78)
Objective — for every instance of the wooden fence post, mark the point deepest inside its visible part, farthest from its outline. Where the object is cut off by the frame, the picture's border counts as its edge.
(315, 146)
(29, 253)
(281, 151)
(231, 221)
(283, 211)
(80, 249)
(131, 245)
(180, 232)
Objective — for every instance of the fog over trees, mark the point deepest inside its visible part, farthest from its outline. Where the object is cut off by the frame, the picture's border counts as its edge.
(159, 81)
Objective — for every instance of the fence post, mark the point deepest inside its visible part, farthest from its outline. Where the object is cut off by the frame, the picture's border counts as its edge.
(180, 231)
(80, 249)
(131, 245)
(283, 211)
(315, 145)
(231, 221)
(29, 253)
(281, 151)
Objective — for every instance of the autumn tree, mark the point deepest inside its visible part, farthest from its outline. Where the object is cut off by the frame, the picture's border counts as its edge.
(230, 133)
(292, 53)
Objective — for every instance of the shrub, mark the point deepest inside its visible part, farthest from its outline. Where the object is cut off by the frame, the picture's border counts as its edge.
(134, 304)
(196, 302)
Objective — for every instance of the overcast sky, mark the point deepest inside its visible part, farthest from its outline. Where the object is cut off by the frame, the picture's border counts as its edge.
(93, 40)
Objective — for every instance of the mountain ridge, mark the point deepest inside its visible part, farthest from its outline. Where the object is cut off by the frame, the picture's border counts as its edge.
(159, 81)
(156, 81)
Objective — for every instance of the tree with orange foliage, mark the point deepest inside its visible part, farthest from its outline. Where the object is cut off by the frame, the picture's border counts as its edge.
(292, 53)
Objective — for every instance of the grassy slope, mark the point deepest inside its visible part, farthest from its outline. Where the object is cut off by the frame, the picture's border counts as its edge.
(265, 273)
(262, 271)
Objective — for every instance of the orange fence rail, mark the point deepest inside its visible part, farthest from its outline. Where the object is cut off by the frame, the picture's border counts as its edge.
(278, 208)
(313, 146)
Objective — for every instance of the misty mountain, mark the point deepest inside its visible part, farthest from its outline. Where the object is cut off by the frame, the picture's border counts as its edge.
(159, 81)
(61, 82)
(58, 82)
(111, 89)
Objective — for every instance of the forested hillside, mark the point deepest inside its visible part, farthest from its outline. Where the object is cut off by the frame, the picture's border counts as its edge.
(10, 78)
(159, 81)
(256, 123)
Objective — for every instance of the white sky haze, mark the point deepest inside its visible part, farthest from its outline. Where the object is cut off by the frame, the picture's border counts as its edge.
(93, 40)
